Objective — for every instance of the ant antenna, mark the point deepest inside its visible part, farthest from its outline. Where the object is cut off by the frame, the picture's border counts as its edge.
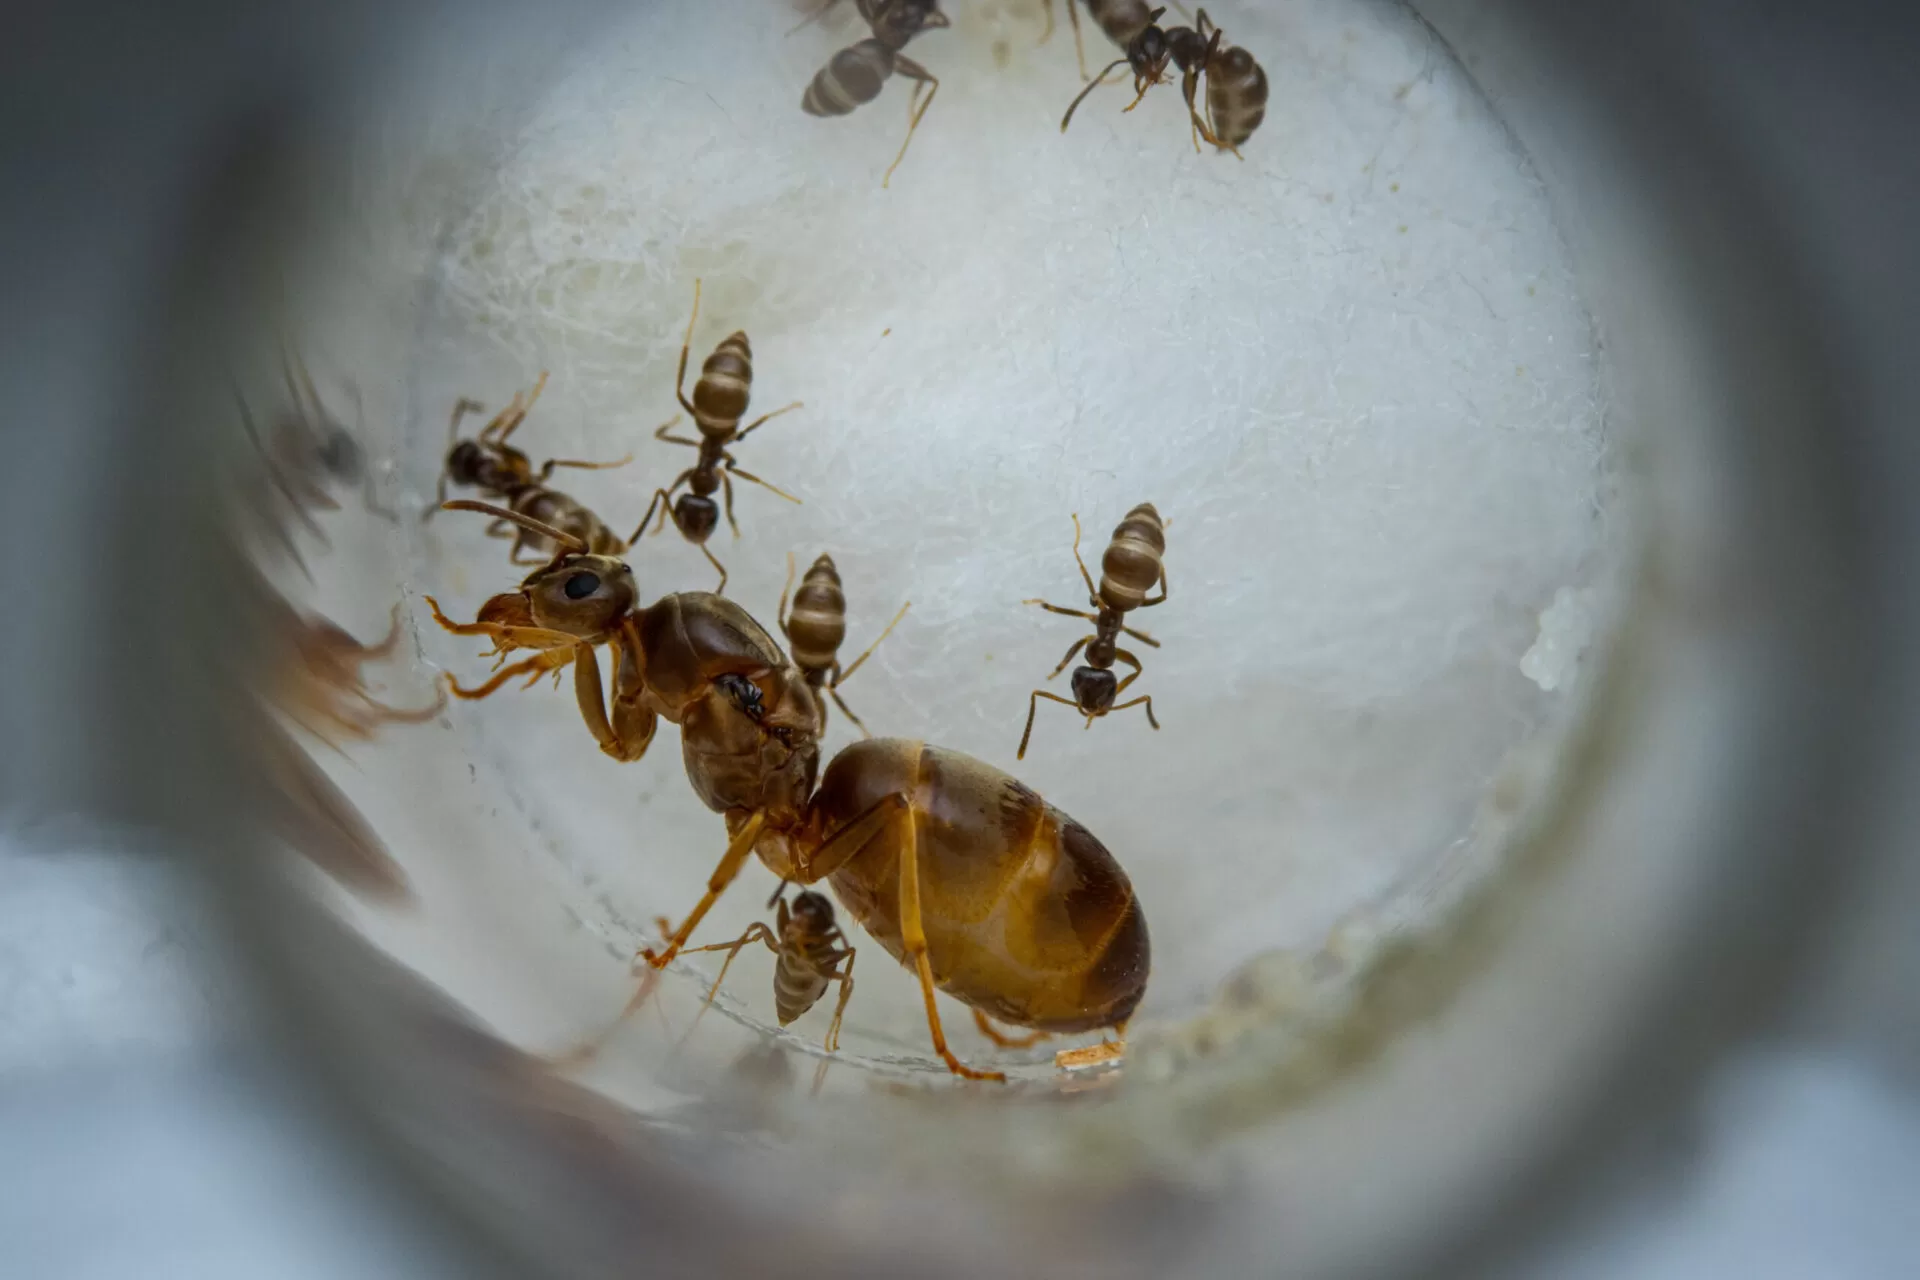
(558, 537)
(1092, 84)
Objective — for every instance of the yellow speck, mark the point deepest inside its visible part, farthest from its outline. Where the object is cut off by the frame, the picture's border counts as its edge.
(1529, 291)
(1002, 52)
(989, 657)
(884, 332)
(1403, 228)
(1394, 187)
(1519, 371)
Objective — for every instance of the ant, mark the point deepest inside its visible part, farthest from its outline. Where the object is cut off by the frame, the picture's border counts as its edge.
(961, 872)
(818, 626)
(809, 953)
(1236, 84)
(719, 402)
(494, 467)
(1130, 568)
(856, 74)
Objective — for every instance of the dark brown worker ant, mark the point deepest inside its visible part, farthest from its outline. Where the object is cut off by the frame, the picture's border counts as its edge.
(1236, 84)
(818, 625)
(856, 74)
(494, 467)
(719, 402)
(961, 872)
(1130, 568)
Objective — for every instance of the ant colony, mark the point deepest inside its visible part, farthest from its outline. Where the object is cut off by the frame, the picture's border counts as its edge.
(922, 341)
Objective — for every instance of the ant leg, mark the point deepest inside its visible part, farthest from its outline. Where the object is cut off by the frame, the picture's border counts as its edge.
(504, 635)
(680, 379)
(730, 863)
(1142, 636)
(841, 677)
(922, 77)
(1078, 645)
(1005, 1041)
(722, 588)
(913, 940)
(832, 1042)
(785, 591)
(761, 421)
(1136, 702)
(662, 498)
(664, 432)
(1161, 598)
(546, 468)
(726, 484)
(585, 1050)
(533, 668)
(1093, 596)
(1131, 661)
(846, 711)
(520, 542)
(734, 467)
(1079, 48)
(756, 932)
(510, 419)
(1032, 705)
(1093, 84)
(630, 741)
(815, 16)
(1047, 33)
(1071, 613)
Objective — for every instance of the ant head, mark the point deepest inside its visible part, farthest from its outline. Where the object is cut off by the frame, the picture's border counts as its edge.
(813, 910)
(1147, 52)
(464, 462)
(1093, 689)
(902, 21)
(582, 595)
(697, 516)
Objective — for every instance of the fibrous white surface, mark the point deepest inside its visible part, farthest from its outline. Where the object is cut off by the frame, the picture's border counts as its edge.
(1352, 371)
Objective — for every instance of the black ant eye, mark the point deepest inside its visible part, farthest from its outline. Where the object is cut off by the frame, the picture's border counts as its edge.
(582, 585)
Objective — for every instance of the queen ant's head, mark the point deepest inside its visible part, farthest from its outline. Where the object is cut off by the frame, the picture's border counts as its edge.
(582, 595)
(577, 593)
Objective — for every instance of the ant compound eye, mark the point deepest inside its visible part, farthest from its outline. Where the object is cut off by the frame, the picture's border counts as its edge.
(582, 585)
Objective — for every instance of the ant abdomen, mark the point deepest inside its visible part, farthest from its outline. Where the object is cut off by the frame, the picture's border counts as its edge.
(1236, 95)
(818, 623)
(726, 381)
(852, 79)
(1132, 563)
